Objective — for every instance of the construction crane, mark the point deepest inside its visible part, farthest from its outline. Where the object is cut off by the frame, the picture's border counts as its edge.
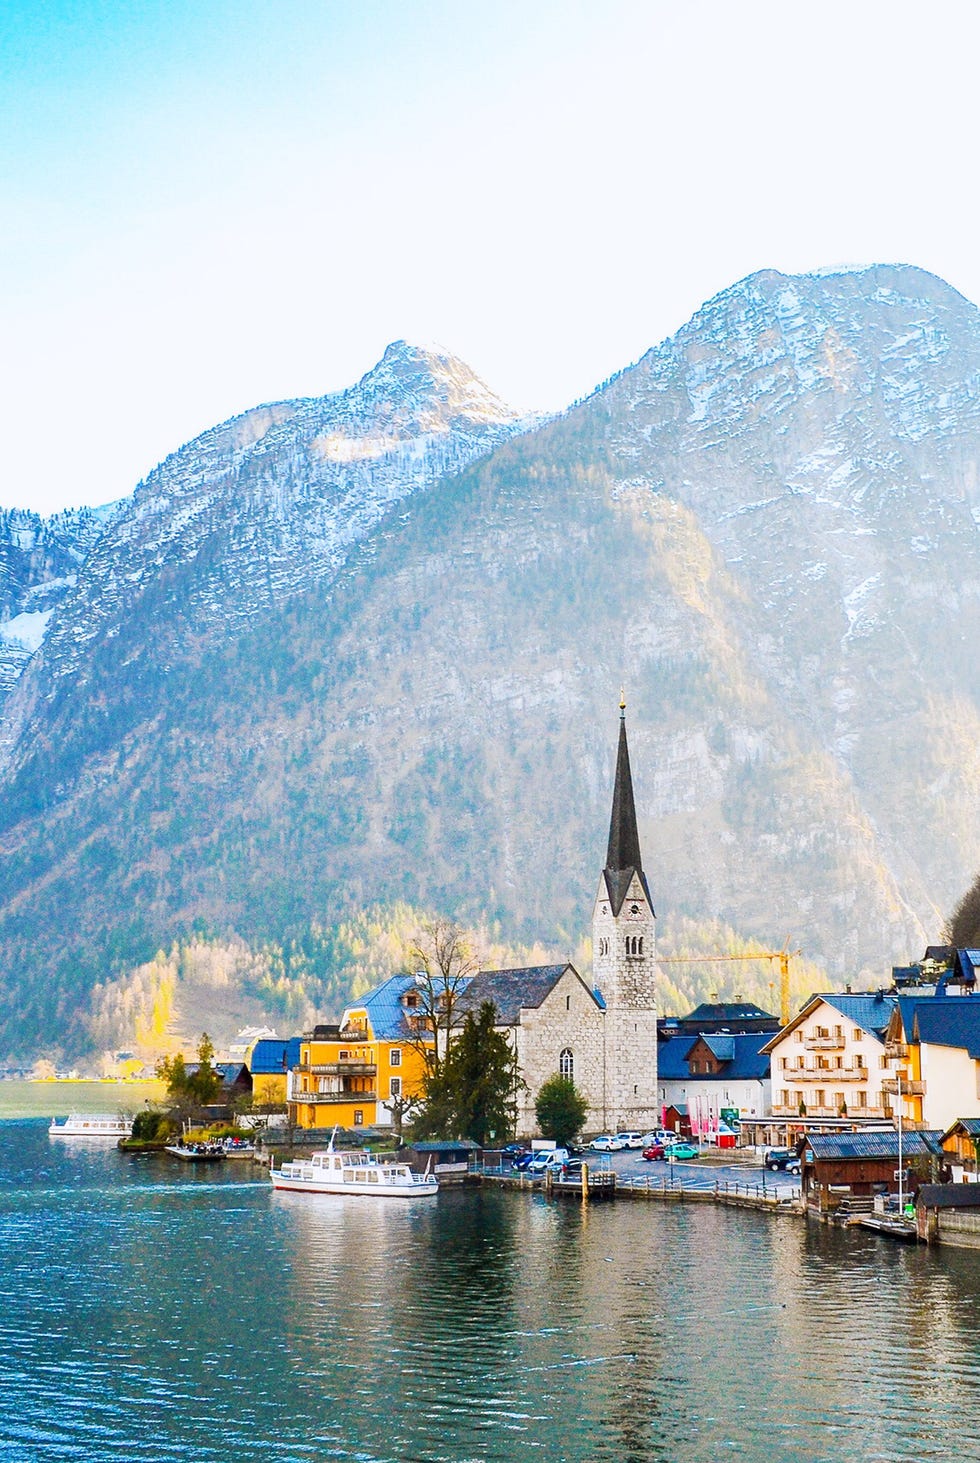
(784, 956)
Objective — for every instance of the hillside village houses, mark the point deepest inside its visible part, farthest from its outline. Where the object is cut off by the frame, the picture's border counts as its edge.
(846, 1060)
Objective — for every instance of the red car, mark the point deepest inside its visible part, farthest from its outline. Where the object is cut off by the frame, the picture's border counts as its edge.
(656, 1150)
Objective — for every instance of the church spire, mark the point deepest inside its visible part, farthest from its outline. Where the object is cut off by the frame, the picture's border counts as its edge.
(623, 857)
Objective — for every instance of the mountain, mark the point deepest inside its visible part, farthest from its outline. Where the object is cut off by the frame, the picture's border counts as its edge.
(365, 650)
(39, 562)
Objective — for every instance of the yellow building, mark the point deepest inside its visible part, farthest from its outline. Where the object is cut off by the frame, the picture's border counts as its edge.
(357, 1074)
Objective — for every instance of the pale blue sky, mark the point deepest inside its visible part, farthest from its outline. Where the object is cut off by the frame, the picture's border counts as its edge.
(208, 205)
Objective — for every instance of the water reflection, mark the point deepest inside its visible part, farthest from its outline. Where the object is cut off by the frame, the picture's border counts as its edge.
(157, 1313)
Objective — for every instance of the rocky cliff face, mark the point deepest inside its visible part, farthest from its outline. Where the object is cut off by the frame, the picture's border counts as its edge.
(39, 562)
(367, 648)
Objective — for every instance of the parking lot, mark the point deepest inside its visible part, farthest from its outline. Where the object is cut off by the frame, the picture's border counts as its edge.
(698, 1173)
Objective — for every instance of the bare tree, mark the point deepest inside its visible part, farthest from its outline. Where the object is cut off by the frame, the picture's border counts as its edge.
(963, 929)
(443, 958)
(400, 1107)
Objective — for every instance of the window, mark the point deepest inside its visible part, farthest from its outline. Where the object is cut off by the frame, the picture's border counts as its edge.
(395, 1058)
(568, 1003)
(395, 1087)
(862, 1099)
(358, 1117)
(566, 1064)
(799, 1033)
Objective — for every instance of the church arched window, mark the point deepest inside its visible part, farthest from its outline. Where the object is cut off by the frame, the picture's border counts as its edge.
(566, 1064)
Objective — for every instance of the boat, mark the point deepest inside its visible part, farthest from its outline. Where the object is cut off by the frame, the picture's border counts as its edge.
(196, 1152)
(352, 1171)
(92, 1125)
(238, 1148)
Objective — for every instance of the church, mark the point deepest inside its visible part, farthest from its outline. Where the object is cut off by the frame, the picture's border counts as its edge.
(603, 1036)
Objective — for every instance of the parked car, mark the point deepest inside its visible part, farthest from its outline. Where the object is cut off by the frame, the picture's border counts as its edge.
(784, 1158)
(681, 1150)
(552, 1158)
(513, 1150)
(630, 1140)
(659, 1135)
(571, 1168)
(605, 1143)
(522, 1161)
(654, 1151)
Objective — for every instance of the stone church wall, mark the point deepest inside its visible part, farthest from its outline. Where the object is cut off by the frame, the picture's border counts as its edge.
(568, 1017)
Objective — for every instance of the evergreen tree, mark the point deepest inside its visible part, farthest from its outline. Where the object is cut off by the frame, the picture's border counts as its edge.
(474, 1092)
(560, 1109)
(206, 1081)
(189, 1088)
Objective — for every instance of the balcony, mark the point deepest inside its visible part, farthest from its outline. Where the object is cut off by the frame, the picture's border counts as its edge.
(792, 1110)
(824, 1043)
(897, 1049)
(318, 1099)
(825, 1076)
(342, 1069)
(910, 1088)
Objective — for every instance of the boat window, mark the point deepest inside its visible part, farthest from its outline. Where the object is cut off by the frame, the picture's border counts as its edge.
(373, 1175)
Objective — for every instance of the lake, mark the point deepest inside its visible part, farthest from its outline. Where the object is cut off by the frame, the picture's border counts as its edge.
(156, 1311)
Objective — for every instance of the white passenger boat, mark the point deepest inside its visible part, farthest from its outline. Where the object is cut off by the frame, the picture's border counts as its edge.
(92, 1125)
(352, 1171)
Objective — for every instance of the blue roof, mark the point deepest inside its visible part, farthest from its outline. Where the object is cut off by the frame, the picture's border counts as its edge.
(273, 1054)
(873, 1144)
(385, 1013)
(871, 1010)
(942, 1021)
(747, 1061)
(970, 1126)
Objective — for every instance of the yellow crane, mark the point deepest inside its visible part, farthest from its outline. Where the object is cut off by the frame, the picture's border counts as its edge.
(784, 956)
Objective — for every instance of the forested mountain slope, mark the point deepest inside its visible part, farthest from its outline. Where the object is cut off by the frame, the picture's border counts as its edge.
(297, 681)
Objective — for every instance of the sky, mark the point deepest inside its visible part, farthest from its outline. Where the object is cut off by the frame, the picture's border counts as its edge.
(205, 205)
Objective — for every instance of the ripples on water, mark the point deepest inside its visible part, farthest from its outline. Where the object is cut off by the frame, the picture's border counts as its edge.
(156, 1313)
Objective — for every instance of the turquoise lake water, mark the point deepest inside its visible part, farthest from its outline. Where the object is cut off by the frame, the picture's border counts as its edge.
(156, 1312)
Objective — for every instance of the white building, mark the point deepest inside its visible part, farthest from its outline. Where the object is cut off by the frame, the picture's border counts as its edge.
(831, 1060)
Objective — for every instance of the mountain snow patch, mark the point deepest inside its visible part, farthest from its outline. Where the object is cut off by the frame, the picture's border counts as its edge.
(26, 630)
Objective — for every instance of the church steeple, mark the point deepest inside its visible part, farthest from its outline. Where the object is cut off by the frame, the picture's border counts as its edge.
(623, 858)
(624, 963)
